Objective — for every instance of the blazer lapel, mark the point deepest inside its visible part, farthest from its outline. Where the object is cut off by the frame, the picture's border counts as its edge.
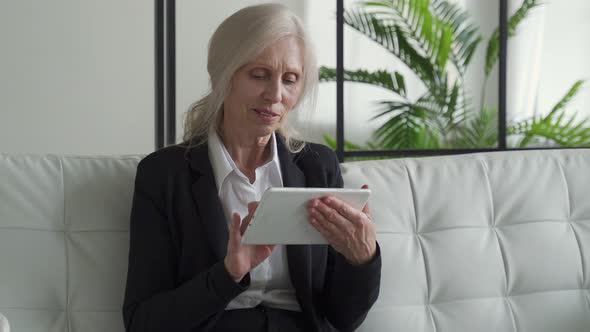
(208, 203)
(298, 256)
(292, 175)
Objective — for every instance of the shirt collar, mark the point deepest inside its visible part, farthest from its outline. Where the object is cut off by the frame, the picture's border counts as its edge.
(223, 164)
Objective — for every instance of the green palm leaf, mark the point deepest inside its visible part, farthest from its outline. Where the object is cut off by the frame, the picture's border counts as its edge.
(492, 51)
(479, 131)
(425, 138)
(427, 33)
(555, 126)
(391, 81)
(405, 122)
(448, 104)
(466, 35)
(394, 39)
(568, 96)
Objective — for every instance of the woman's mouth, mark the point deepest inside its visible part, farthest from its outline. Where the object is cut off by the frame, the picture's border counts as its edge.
(265, 114)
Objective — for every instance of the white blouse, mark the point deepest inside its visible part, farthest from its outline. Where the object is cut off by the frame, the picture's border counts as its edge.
(270, 281)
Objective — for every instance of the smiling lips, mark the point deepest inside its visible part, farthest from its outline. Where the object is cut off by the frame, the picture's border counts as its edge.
(266, 113)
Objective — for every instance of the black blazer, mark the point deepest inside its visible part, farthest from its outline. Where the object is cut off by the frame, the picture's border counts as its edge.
(176, 279)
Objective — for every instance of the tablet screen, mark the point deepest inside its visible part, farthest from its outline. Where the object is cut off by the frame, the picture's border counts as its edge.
(282, 217)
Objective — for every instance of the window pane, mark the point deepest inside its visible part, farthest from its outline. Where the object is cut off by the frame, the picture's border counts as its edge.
(320, 20)
(546, 58)
(417, 88)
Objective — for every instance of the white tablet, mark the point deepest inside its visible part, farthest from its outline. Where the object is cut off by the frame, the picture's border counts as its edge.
(282, 217)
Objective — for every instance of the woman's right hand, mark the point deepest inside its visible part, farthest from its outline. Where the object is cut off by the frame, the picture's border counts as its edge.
(241, 258)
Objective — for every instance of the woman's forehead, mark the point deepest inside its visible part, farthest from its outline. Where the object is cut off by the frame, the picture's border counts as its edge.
(286, 53)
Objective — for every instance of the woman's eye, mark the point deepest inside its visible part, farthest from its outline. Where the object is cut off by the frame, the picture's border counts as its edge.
(290, 80)
(258, 74)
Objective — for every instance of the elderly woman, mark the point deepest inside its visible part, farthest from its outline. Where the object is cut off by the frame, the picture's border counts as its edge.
(188, 270)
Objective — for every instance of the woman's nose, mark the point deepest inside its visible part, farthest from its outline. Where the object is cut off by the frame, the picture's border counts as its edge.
(272, 92)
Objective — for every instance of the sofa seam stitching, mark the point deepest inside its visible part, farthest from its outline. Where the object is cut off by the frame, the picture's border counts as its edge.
(504, 297)
(569, 214)
(490, 192)
(428, 293)
(65, 233)
(414, 208)
(507, 300)
(502, 254)
(506, 274)
(61, 231)
(48, 309)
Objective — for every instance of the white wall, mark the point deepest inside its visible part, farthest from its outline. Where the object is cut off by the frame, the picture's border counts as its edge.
(548, 54)
(565, 55)
(76, 76)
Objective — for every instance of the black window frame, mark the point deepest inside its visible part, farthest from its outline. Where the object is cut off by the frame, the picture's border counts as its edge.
(165, 87)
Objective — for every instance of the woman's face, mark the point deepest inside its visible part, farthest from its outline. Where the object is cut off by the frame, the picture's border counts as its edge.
(264, 90)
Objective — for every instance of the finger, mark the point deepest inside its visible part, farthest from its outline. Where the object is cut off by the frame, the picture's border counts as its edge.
(312, 203)
(252, 207)
(244, 224)
(339, 212)
(366, 209)
(270, 248)
(333, 229)
(234, 228)
(264, 250)
(320, 227)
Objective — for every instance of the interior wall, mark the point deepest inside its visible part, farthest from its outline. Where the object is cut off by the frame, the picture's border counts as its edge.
(77, 77)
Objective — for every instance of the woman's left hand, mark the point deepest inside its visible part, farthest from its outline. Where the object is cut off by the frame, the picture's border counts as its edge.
(349, 231)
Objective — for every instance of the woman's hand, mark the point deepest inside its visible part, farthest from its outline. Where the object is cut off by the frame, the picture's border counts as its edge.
(349, 231)
(241, 258)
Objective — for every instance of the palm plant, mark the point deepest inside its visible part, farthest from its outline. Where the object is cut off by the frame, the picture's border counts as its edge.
(436, 41)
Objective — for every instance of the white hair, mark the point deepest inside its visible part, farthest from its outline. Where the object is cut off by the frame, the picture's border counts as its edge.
(238, 40)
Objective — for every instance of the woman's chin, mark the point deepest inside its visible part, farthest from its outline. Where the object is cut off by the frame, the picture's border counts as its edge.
(265, 130)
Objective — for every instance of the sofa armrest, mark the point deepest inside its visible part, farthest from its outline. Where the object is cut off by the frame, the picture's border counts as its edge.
(4, 327)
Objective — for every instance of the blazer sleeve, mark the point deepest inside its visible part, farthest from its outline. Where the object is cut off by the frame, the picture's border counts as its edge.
(154, 301)
(350, 290)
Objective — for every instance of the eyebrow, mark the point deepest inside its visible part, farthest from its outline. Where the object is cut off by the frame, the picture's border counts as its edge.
(265, 66)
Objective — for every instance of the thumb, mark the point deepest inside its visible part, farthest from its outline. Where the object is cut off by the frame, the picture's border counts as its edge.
(366, 209)
(252, 207)
(234, 228)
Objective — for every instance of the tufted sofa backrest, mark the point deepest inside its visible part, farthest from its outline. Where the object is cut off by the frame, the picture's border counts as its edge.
(64, 241)
(482, 242)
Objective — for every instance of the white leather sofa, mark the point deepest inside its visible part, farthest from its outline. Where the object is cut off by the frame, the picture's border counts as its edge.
(4, 327)
(482, 242)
